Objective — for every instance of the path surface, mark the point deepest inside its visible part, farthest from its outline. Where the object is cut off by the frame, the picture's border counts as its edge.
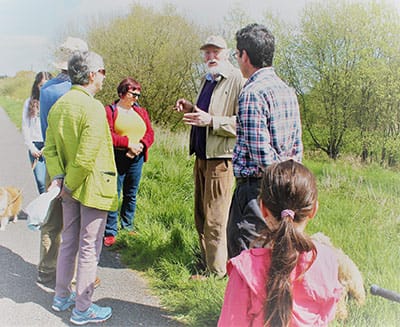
(23, 302)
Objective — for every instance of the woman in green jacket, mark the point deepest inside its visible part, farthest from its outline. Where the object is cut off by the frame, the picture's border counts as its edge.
(80, 160)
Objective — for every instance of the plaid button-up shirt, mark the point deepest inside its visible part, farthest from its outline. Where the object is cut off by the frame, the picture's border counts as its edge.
(268, 125)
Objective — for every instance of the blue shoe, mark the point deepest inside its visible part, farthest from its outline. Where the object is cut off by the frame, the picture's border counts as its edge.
(93, 314)
(63, 303)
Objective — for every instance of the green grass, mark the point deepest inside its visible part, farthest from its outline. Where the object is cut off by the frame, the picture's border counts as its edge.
(359, 209)
(13, 109)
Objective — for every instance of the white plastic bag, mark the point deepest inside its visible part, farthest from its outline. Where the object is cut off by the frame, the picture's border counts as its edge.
(37, 209)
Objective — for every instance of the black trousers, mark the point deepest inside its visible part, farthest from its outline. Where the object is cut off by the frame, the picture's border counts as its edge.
(245, 219)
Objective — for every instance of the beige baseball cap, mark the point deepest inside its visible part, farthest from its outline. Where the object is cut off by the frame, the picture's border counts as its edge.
(214, 40)
(65, 51)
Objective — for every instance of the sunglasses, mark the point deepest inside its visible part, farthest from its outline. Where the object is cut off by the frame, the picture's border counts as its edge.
(135, 95)
(102, 72)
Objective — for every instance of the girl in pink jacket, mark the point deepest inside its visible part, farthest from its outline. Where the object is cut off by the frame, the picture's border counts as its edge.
(288, 280)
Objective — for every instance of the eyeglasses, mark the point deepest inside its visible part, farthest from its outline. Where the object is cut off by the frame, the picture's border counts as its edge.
(235, 54)
(102, 72)
(134, 94)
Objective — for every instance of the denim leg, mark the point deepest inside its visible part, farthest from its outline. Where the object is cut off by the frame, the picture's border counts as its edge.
(40, 175)
(39, 172)
(112, 217)
(130, 189)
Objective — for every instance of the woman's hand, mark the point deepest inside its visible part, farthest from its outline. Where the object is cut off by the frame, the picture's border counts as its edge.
(134, 149)
(36, 153)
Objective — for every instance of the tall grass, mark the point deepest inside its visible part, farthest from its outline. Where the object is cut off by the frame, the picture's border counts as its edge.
(359, 209)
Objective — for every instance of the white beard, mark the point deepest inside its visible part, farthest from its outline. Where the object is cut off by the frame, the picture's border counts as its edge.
(221, 67)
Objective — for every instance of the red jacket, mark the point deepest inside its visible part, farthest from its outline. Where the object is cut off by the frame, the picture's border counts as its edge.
(120, 141)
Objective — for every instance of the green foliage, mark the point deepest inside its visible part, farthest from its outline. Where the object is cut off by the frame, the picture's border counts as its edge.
(158, 49)
(343, 60)
(359, 210)
(19, 86)
(13, 109)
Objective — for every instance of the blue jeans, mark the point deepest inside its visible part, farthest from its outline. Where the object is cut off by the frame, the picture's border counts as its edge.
(40, 169)
(129, 175)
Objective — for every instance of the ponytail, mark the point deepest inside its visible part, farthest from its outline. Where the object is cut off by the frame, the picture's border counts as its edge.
(289, 192)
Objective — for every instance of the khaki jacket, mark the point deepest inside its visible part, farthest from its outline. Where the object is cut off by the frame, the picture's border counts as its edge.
(221, 136)
(79, 149)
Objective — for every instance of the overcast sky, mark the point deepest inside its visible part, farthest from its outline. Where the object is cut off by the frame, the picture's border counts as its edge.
(29, 28)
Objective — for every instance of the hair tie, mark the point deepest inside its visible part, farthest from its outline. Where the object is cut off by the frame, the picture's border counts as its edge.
(287, 212)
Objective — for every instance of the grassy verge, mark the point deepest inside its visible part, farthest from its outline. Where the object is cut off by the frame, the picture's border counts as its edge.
(13, 109)
(359, 211)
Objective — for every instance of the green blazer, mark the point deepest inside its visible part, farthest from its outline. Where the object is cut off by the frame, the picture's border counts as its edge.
(79, 149)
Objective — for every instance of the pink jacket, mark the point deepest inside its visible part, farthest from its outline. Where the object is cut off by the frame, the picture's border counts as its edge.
(314, 295)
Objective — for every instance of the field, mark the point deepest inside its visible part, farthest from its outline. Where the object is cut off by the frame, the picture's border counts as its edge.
(359, 210)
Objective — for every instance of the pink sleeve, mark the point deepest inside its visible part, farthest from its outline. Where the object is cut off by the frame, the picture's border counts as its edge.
(236, 301)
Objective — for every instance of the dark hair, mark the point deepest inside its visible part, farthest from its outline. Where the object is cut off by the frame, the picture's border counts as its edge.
(81, 64)
(286, 185)
(128, 84)
(259, 44)
(78, 68)
(35, 92)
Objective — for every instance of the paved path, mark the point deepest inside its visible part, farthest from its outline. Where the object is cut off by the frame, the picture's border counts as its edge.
(23, 302)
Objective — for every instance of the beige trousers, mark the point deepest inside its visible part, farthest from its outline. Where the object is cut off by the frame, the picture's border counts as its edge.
(212, 198)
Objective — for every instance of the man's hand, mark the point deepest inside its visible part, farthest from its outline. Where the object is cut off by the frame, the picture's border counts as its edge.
(197, 118)
(183, 105)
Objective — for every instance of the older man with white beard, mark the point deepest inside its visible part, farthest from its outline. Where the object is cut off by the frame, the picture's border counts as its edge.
(212, 138)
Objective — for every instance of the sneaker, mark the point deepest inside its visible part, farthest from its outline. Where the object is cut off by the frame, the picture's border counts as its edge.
(46, 278)
(109, 240)
(63, 303)
(93, 314)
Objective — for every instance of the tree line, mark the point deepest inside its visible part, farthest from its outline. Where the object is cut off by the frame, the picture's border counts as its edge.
(342, 58)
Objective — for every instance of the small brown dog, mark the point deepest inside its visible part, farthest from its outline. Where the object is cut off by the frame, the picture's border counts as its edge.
(349, 276)
(10, 205)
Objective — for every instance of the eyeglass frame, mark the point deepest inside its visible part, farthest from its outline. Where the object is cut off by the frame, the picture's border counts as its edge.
(136, 95)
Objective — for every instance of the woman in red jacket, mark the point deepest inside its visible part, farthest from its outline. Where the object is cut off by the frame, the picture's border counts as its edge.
(132, 136)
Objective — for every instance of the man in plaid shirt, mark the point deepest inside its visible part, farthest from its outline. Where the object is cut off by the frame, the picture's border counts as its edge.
(268, 130)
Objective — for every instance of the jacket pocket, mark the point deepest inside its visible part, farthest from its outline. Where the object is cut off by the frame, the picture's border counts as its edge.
(107, 183)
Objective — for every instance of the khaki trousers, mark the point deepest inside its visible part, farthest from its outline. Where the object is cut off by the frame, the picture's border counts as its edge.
(212, 198)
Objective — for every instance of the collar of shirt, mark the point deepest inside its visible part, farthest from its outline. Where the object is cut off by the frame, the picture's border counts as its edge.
(261, 71)
(210, 77)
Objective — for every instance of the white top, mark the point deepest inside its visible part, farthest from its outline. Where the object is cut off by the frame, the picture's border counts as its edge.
(30, 127)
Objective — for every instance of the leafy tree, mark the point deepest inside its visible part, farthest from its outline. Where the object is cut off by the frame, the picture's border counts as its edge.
(340, 62)
(159, 50)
